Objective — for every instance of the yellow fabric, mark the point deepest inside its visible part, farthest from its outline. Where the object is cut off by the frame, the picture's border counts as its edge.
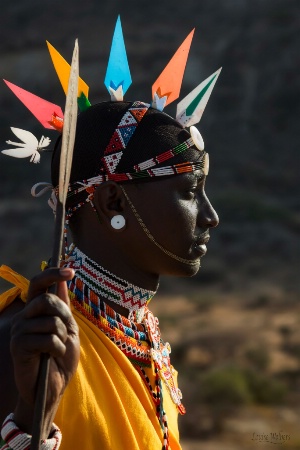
(20, 289)
(106, 405)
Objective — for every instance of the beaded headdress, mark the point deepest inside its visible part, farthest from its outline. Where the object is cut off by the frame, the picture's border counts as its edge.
(119, 133)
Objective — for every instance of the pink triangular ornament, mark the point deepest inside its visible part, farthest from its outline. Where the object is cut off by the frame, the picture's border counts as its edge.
(40, 108)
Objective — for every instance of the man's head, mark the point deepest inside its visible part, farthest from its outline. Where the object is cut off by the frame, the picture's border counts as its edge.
(125, 141)
(138, 136)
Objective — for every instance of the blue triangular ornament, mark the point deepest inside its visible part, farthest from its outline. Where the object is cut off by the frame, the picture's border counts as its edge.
(118, 72)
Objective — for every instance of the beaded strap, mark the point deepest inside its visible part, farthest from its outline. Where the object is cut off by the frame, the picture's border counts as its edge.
(91, 184)
(15, 439)
(157, 397)
(122, 135)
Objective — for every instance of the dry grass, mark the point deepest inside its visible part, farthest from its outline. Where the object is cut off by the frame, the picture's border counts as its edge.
(262, 338)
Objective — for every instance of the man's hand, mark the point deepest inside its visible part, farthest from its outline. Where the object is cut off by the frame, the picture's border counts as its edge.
(45, 325)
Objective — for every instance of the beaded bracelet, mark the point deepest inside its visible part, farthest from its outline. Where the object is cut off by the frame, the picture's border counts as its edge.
(14, 439)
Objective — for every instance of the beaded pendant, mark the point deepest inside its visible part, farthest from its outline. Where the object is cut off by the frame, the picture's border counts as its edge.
(160, 354)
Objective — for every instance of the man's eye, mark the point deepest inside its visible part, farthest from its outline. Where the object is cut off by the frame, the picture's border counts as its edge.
(192, 191)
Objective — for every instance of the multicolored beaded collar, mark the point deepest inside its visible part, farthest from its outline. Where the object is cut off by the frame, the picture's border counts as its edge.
(139, 339)
(97, 282)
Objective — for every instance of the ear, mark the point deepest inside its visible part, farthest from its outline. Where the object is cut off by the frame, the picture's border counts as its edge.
(109, 201)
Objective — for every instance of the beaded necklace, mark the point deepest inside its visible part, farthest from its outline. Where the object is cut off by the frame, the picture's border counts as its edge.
(139, 339)
(103, 283)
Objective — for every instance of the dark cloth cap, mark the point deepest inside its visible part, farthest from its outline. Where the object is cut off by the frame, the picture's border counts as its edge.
(157, 132)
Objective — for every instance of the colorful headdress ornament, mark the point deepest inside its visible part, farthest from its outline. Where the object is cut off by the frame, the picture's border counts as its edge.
(165, 90)
(63, 72)
(118, 77)
(48, 114)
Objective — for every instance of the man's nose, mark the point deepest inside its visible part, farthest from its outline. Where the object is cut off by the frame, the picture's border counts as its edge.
(208, 216)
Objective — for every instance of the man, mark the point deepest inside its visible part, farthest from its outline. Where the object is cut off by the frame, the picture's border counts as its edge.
(136, 209)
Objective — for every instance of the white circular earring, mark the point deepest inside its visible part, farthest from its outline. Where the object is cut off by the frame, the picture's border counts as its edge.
(118, 222)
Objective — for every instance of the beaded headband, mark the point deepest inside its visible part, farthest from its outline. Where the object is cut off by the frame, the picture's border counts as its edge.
(165, 90)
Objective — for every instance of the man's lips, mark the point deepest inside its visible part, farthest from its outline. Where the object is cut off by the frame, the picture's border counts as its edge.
(202, 239)
(200, 243)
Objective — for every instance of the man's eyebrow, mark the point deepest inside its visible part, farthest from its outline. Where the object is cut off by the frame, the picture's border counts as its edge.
(193, 177)
(198, 174)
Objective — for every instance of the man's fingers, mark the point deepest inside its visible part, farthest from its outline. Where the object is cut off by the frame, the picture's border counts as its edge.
(40, 283)
(62, 292)
(45, 305)
(37, 344)
(41, 325)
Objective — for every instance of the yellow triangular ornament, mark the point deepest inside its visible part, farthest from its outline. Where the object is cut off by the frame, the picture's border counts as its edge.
(63, 71)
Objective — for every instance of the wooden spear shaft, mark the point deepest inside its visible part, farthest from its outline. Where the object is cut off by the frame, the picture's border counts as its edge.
(68, 139)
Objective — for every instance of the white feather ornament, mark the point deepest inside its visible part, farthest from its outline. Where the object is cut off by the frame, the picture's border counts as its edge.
(29, 146)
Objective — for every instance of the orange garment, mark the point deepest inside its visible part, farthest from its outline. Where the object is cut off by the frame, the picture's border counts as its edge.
(106, 405)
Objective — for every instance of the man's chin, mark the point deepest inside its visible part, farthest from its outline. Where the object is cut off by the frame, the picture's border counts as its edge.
(188, 270)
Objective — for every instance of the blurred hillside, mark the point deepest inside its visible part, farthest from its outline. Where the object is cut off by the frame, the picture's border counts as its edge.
(251, 130)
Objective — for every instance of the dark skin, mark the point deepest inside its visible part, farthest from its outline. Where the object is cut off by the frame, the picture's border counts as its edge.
(46, 325)
(176, 211)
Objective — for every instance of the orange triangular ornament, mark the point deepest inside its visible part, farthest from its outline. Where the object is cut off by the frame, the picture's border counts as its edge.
(169, 81)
